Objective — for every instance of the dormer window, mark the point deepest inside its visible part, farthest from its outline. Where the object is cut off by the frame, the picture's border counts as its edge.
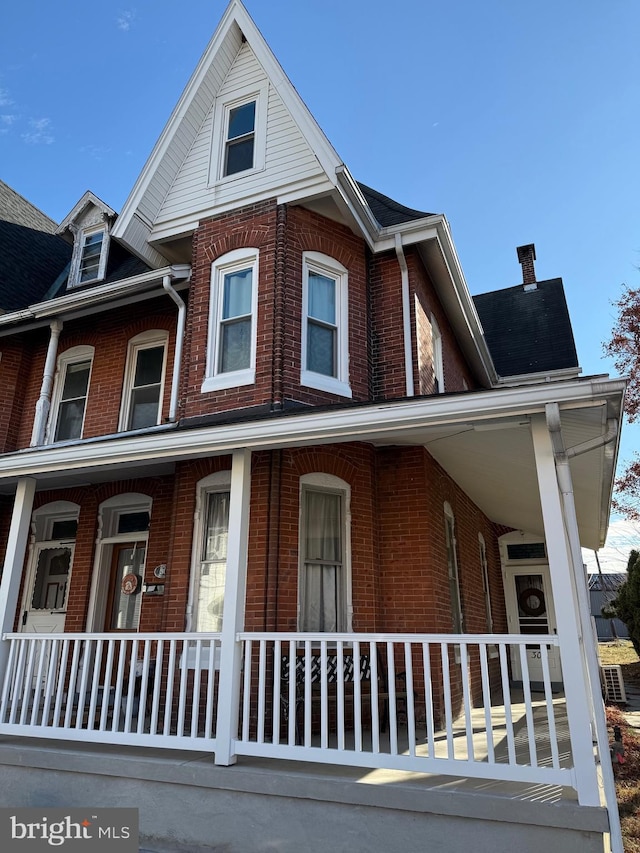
(91, 256)
(239, 134)
(89, 261)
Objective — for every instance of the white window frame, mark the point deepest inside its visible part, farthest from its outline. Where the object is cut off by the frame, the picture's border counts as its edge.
(436, 345)
(146, 340)
(318, 482)
(325, 265)
(234, 261)
(453, 571)
(81, 239)
(218, 482)
(222, 110)
(75, 355)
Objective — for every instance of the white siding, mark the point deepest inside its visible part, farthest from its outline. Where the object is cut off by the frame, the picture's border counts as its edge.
(289, 159)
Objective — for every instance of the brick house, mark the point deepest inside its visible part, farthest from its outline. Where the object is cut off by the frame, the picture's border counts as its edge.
(274, 486)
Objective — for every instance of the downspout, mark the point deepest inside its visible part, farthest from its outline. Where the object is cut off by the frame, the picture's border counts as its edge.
(44, 401)
(177, 356)
(406, 316)
(565, 485)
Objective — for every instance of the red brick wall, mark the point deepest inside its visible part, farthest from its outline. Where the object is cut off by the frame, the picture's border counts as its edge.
(110, 336)
(456, 371)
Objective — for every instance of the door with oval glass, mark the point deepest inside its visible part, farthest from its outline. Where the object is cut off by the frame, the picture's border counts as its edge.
(531, 611)
(125, 587)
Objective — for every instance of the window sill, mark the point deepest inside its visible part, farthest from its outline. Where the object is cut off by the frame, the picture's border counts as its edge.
(228, 380)
(325, 383)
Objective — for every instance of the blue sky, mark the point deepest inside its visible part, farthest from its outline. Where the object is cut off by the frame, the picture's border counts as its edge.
(518, 120)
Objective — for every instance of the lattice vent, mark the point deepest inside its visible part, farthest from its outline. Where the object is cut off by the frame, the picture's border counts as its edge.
(614, 684)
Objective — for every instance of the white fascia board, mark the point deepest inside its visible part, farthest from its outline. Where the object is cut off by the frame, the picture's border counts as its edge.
(101, 295)
(537, 378)
(356, 205)
(165, 138)
(362, 423)
(467, 322)
(467, 306)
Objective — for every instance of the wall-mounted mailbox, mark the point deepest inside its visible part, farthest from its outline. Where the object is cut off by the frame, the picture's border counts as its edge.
(153, 589)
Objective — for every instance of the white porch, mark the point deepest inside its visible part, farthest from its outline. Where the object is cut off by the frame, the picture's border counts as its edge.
(431, 704)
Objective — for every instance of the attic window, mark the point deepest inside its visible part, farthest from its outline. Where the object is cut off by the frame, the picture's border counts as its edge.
(239, 134)
(90, 259)
(240, 138)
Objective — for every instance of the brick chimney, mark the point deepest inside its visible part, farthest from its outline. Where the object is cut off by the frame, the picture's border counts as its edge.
(526, 256)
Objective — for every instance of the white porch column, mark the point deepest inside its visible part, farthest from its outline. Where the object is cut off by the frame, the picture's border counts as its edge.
(567, 618)
(14, 562)
(233, 609)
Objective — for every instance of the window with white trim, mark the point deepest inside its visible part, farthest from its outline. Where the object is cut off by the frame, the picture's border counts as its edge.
(438, 367)
(324, 590)
(239, 134)
(231, 352)
(325, 326)
(70, 394)
(211, 534)
(89, 262)
(457, 618)
(144, 380)
(486, 589)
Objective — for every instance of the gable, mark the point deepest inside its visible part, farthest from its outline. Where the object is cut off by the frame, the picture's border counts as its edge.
(174, 189)
(199, 190)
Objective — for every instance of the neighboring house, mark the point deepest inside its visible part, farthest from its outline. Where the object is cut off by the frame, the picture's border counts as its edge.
(275, 488)
(603, 588)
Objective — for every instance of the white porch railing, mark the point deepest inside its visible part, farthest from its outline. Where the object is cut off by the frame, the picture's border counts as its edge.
(151, 689)
(428, 703)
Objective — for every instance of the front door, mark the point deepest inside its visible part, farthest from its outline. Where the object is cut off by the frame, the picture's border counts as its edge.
(531, 612)
(125, 587)
(48, 587)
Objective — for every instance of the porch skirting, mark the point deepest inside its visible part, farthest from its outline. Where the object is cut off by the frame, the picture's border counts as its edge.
(285, 807)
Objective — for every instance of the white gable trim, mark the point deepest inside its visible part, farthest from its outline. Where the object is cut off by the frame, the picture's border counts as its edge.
(235, 24)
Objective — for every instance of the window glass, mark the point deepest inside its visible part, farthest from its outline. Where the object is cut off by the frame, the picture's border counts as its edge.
(147, 386)
(235, 328)
(323, 580)
(133, 522)
(64, 529)
(91, 251)
(240, 139)
(73, 401)
(213, 562)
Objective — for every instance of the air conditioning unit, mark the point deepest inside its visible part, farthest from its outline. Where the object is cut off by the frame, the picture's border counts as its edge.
(614, 684)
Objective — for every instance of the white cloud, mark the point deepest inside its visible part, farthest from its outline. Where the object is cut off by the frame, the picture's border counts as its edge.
(5, 100)
(125, 19)
(5, 122)
(40, 133)
(623, 536)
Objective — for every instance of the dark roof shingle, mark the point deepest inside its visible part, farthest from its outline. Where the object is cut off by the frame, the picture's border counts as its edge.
(528, 331)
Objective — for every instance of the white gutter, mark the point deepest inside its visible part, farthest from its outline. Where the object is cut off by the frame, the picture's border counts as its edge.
(384, 422)
(565, 485)
(44, 401)
(177, 356)
(406, 317)
(94, 296)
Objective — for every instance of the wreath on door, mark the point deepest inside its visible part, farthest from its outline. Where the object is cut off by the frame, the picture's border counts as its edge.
(531, 601)
(129, 584)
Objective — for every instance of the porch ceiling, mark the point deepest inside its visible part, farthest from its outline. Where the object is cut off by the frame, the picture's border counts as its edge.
(494, 463)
